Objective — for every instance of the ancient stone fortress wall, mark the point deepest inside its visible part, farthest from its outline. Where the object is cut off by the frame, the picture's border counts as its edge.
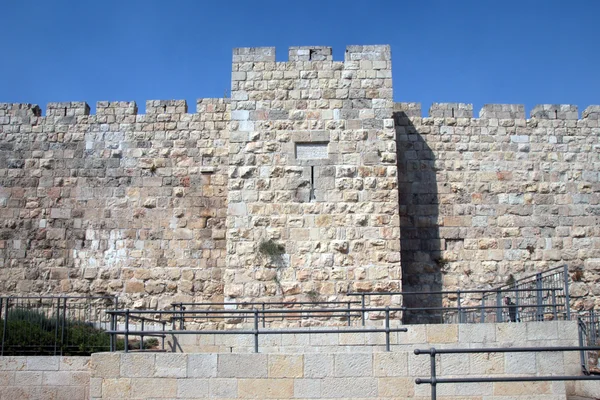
(308, 183)
(313, 171)
(115, 202)
(485, 198)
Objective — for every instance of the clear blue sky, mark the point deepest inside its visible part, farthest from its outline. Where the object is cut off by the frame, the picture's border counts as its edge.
(527, 51)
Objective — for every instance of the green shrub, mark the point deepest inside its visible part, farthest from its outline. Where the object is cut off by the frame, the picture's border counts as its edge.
(30, 332)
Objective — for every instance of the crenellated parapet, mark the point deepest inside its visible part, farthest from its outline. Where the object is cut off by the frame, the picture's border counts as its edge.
(116, 108)
(166, 107)
(555, 111)
(67, 109)
(502, 111)
(451, 110)
(565, 112)
(310, 53)
(20, 110)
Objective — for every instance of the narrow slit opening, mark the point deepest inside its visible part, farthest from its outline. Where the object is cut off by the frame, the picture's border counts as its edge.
(452, 112)
(311, 196)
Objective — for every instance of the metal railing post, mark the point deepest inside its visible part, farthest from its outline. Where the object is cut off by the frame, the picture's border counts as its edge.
(582, 357)
(482, 313)
(64, 326)
(539, 297)
(363, 308)
(567, 297)
(256, 331)
(174, 315)
(517, 316)
(113, 336)
(433, 374)
(348, 314)
(142, 337)
(460, 311)
(554, 313)
(387, 328)
(498, 306)
(181, 321)
(4, 327)
(57, 325)
(127, 330)
(163, 334)
(264, 316)
(593, 328)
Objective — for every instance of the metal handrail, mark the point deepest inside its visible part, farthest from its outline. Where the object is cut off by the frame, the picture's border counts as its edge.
(128, 314)
(433, 380)
(554, 282)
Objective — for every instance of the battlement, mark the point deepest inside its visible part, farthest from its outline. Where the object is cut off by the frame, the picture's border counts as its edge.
(116, 108)
(499, 111)
(313, 53)
(451, 110)
(67, 109)
(20, 110)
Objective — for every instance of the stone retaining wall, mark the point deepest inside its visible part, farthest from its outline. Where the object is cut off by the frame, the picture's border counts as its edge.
(64, 378)
(327, 366)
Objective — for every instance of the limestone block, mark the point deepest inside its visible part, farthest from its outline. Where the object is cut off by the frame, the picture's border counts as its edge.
(116, 388)
(96, 387)
(265, 388)
(542, 331)
(137, 365)
(69, 392)
(201, 365)
(390, 364)
(357, 364)
(285, 366)
(318, 365)
(476, 333)
(486, 363)
(23, 378)
(307, 388)
(442, 334)
(105, 365)
(550, 363)
(41, 363)
(222, 388)
(171, 365)
(395, 387)
(510, 333)
(69, 378)
(523, 388)
(12, 363)
(349, 387)
(519, 363)
(156, 388)
(242, 366)
(192, 388)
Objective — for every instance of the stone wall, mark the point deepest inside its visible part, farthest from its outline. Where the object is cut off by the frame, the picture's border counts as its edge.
(333, 371)
(114, 202)
(65, 378)
(308, 183)
(485, 198)
(313, 170)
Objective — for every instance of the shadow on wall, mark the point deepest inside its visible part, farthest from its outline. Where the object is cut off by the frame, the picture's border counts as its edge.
(419, 208)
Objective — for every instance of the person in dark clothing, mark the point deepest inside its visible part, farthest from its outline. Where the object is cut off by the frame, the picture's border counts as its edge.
(512, 309)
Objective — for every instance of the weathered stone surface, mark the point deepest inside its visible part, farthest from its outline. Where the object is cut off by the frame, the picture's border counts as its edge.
(88, 199)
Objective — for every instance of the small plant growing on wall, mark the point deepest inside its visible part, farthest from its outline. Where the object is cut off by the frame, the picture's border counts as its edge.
(272, 250)
(511, 280)
(313, 295)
